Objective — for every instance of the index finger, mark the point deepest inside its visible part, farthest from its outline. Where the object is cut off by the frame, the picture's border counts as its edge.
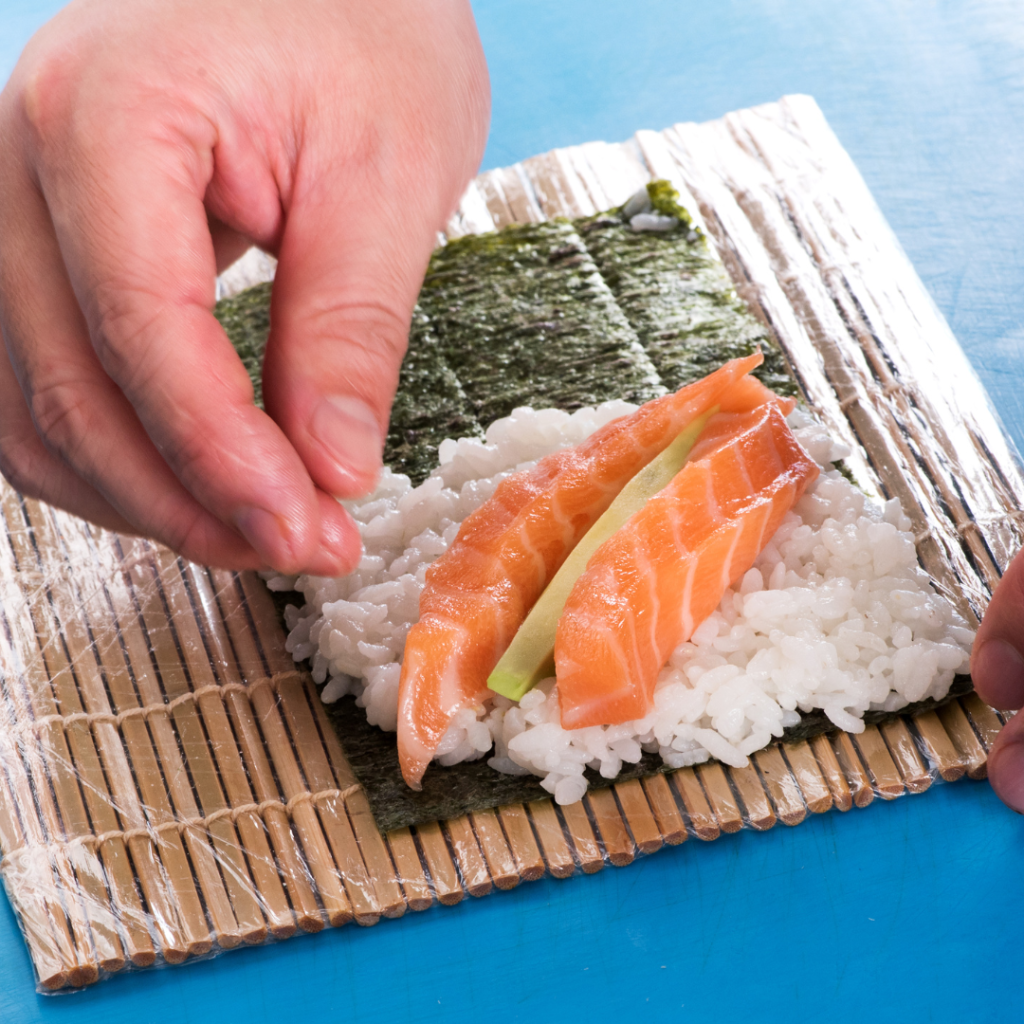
(133, 231)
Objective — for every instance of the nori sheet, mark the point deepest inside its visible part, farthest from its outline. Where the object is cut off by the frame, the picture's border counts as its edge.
(524, 318)
(558, 314)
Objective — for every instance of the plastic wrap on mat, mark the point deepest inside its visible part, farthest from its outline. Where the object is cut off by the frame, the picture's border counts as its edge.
(170, 785)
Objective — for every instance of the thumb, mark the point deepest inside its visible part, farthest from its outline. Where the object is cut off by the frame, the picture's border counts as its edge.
(1006, 764)
(997, 668)
(347, 280)
(997, 662)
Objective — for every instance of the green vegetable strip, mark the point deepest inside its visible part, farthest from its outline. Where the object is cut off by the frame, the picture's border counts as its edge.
(530, 656)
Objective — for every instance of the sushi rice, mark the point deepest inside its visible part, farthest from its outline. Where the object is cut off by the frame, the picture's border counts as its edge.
(835, 615)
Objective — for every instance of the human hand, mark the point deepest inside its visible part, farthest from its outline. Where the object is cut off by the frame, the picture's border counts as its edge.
(144, 147)
(997, 668)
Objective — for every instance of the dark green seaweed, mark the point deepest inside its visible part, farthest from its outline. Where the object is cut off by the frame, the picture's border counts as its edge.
(680, 301)
(555, 314)
(524, 318)
(246, 320)
(429, 405)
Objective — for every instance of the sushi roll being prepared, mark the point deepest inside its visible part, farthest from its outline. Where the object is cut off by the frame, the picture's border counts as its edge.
(819, 607)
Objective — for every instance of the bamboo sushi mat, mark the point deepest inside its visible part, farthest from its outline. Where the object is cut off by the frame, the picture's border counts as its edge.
(169, 782)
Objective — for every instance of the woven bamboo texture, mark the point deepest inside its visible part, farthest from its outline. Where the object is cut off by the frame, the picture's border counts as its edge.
(169, 783)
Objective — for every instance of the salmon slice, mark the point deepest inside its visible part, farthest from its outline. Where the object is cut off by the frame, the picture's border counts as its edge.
(648, 587)
(506, 552)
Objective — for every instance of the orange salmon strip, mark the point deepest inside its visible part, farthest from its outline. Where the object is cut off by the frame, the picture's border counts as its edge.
(648, 587)
(506, 552)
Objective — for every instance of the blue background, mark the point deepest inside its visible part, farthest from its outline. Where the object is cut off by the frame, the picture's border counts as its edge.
(909, 911)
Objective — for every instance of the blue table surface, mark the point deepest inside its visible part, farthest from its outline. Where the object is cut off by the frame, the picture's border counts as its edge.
(908, 911)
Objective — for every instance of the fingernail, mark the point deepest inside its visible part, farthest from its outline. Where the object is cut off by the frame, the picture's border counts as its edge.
(262, 529)
(998, 669)
(349, 431)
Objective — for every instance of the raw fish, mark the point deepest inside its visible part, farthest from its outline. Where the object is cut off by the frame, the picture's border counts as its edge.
(506, 552)
(648, 587)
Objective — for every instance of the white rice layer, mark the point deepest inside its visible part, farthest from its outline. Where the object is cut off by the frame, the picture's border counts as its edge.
(835, 615)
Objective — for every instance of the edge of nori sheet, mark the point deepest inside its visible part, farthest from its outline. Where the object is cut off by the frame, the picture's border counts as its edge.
(474, 785)
(421, 419)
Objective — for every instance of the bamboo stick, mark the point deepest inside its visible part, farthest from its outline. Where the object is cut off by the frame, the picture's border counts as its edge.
(516, 822)
(28, 880)
(552, 839)
(985, 720)
(301, 708)
(691, 792)
(870, 744)
(581, 835)
(265, 703)
(214, 845)
(390, 900)
(759, 808)
(666, 813)
(466, 850)
(832, 772)
(806, 771)
(500, 862)
(494, 198)
(639, 816)
(410, 869)
(34, 798)
(47, 675)
(36, 801)
(89, 627)
(368, 837)
(904, 752)
(174, 785)
(720, 796)
(331, 805)
(781, 786)
(443, 872)
(857, 777)
(258, 755)
(939, 746)
(972, 752)
(214, 763)
(610, 826)
(205, 645)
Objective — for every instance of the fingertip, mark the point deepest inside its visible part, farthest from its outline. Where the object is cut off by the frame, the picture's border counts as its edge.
(341, 546)
(997, 669)
(277, 540)
(1006, 765)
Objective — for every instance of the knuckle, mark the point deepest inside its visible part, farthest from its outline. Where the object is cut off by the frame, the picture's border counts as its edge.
(44, 96)
(192, 458)
(375, 334)
(61, 412)
(126, 339)
(183, 533)
(23, 465)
